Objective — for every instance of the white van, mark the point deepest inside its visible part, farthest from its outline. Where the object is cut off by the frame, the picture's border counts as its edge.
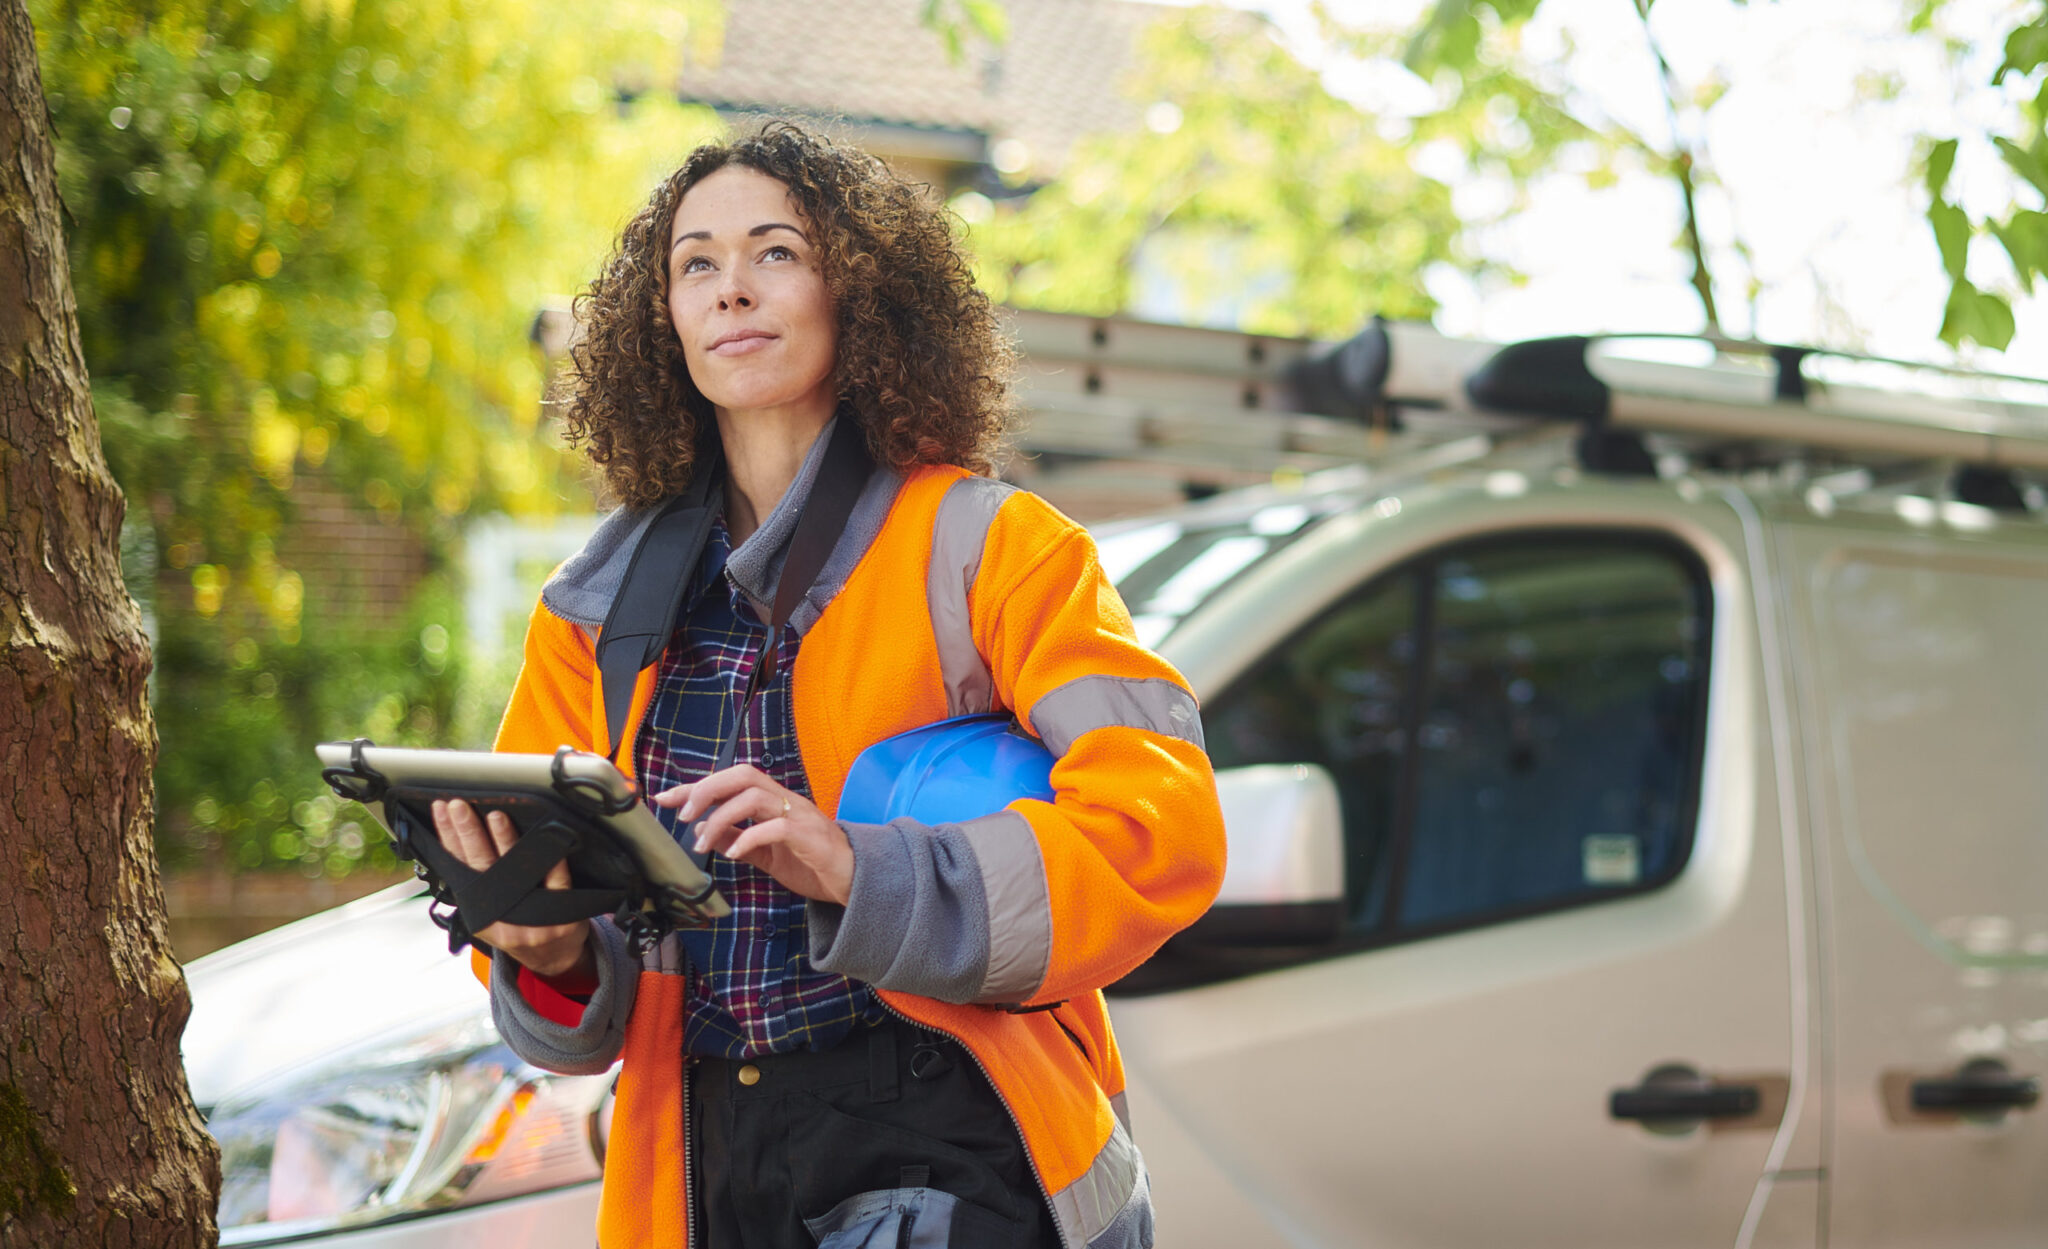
(1637, 784)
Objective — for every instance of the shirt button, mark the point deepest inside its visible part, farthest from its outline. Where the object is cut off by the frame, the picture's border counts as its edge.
(750, 1075)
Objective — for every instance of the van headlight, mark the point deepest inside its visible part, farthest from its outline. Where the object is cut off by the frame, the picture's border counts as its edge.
(447, 1118)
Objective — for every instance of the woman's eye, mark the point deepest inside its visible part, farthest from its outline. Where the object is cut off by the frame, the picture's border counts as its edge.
(695, 264)
(778, 252)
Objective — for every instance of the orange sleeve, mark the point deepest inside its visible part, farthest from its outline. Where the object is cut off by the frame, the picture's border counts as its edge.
(1132, 843)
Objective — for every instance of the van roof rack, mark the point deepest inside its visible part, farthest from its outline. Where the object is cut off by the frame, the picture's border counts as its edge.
(1227, 407)
(1751, 391)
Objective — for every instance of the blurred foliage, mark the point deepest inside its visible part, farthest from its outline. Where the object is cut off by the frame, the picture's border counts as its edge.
(1489, 105)
(1453, 37)
(1471, 43)
(957, 21)
(1454, 33)
(308, 238)
(1256, 188)
(1975, 314)
(238, 727)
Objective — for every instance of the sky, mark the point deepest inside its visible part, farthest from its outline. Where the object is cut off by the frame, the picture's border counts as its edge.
(1818, 173)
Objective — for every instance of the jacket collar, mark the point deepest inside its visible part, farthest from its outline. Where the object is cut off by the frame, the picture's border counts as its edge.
(581, 590)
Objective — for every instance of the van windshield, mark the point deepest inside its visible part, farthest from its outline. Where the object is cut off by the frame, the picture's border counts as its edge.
(1166, 569)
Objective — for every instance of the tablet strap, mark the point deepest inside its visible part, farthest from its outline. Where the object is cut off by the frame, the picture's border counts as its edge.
(511, 885)
(514, 888)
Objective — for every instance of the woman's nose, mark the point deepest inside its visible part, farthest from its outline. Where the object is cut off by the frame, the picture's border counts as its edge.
(733, 294)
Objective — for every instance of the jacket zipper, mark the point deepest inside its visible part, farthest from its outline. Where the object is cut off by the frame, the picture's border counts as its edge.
(689, 1136)
(1022, 1141)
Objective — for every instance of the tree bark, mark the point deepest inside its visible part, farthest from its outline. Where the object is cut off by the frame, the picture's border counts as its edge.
(99, 1141)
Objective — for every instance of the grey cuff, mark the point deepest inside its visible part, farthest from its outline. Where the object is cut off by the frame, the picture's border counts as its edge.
(916, 919)
(593, 1045)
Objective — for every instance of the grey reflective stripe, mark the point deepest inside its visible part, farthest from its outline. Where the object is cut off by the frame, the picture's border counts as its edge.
(1122, 1106)
(1019, 905)
(1088, 1206)
(957, 537)
(1096, 702)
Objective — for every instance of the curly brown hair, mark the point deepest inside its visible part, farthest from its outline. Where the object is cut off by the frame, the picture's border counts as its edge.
(922, 361)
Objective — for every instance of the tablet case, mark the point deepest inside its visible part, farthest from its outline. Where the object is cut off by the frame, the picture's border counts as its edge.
(571, 805)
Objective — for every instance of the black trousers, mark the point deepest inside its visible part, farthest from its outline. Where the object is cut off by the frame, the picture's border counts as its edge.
(892, 1140)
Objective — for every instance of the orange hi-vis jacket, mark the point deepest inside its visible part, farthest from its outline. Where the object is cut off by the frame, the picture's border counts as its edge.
(968, 596)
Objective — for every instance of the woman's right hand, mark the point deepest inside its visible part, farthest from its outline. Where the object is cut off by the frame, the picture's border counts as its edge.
(548, 949)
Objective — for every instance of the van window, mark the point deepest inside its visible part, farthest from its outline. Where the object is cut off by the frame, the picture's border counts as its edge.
(1514, 725)
(1165, 570)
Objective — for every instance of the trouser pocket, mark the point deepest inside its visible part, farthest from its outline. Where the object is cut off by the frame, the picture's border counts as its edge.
(939, 1164)
(909, 1217)
(848, 1157)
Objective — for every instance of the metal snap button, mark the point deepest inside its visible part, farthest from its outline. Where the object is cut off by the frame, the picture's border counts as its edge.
(750, 1075)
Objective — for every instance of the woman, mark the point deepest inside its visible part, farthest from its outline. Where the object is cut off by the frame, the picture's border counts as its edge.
(898, 1036)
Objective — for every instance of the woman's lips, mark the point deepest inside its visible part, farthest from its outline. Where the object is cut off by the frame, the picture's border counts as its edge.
(741, 345)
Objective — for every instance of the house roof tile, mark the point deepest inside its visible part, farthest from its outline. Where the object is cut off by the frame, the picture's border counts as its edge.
(1054, 79)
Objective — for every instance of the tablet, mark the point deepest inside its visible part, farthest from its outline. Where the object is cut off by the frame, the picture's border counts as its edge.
(572, 804)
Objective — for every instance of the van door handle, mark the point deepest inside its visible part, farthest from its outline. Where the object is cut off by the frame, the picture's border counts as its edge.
(1676, 1094)
(1983, 1084)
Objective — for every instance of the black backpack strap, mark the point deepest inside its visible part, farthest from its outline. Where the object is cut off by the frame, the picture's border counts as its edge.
(840, 480)
(643, 613)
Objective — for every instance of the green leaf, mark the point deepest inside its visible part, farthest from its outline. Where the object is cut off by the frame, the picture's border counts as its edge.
(1426, 50)
(1923, 17)
(1940, 161)
(2025, 239)
(1450, 36)
(1977, 317)
(2026, 163)
(1951, 234)
(2025, 49)
(1458, 43)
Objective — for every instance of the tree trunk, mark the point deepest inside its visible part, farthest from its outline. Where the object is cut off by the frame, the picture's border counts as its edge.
(99, 1141)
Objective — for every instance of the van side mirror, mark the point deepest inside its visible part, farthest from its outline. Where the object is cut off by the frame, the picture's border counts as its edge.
(1284, 882)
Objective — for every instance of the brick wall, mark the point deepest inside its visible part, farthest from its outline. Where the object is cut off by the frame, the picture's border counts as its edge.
(355, 563)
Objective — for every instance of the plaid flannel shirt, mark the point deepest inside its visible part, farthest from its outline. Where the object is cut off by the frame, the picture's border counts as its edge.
(752, 989)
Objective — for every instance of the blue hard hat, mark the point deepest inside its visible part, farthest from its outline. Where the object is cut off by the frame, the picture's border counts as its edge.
(943, 773)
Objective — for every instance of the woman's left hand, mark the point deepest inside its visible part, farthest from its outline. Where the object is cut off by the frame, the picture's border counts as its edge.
(789, 838)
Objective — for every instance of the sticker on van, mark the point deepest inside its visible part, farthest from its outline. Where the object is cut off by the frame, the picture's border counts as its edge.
(1612, 859)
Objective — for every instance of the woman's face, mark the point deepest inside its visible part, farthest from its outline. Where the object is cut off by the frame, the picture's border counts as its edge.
(747, 298)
